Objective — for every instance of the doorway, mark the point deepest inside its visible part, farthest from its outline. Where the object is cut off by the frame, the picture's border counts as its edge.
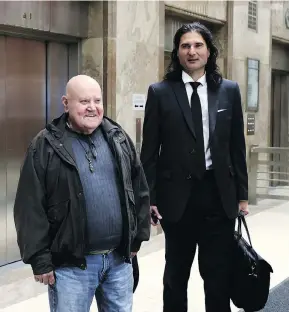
(33, 75)
(279, 121)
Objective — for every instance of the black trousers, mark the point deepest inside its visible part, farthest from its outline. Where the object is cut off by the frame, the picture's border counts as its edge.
(205, 224)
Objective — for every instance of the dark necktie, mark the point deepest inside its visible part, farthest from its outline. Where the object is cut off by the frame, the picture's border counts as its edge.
(198, 124)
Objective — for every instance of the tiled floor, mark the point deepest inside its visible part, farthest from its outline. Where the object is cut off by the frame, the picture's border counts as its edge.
(269, 229)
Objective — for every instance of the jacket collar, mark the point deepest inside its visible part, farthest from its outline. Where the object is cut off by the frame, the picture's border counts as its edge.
(58, 126)
(57, 134)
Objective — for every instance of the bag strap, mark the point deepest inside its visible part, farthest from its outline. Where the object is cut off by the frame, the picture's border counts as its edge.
(241, 219)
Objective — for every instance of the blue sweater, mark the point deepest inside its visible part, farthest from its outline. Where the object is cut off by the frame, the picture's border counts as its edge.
(101, 190)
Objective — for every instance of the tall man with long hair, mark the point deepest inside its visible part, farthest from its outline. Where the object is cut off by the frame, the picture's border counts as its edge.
(194, 157)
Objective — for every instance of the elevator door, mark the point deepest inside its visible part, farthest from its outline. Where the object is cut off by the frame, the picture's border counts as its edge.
(3, 214)
(279, 110)
(61, 65)
(279, 121)
(22, 104)
(33, 75)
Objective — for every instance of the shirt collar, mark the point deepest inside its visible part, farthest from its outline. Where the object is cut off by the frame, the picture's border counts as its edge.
(187, 78)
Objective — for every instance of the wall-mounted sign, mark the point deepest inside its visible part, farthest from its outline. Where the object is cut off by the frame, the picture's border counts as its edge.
(138, 101)
(250, 124)
(287, 18)
(252, 85)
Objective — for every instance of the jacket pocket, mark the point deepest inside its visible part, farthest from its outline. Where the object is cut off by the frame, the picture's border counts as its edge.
(57, 214)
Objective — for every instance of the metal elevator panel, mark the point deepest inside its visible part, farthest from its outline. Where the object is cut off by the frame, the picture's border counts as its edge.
(25, 115)
(33, 76)
(62, 64)
(3, 228)
(73, 63)
(2, 15)
(28, 14)
(57, 77)
(279, 123)
(69, 18)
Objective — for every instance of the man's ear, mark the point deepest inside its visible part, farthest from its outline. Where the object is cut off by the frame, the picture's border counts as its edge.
(65, 103)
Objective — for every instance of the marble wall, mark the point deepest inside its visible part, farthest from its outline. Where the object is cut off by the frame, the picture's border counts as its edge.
(280, 56)
(140, 55)
(99, 50)
(280, 11)
(124, 50)
(256, 45)
(211, 9)
(92, 47)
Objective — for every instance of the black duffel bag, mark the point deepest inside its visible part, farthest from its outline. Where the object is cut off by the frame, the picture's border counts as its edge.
(251, 273)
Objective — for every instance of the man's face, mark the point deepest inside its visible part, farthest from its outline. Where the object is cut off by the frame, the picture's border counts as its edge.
(83, 103)
(193, 52)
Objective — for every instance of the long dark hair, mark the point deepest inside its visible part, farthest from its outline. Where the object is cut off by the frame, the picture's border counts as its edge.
(213, 75)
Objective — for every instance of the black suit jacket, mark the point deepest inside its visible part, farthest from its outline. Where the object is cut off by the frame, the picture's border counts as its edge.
(168, 147)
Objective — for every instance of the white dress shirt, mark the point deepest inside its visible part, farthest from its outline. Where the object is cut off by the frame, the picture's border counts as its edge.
(203, 95)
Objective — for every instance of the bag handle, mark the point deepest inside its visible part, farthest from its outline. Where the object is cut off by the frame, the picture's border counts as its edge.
(241, 219)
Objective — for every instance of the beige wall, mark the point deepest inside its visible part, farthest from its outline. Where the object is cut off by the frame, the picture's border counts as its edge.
(126, 54)
(212, 9)
(280, 57)
(279, 29)
(220, 37)
(139, 55)
(92, 47)
(99, 50)
(248, 43)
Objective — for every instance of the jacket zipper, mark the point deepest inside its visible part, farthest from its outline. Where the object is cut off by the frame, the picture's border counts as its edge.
(84, 225)
(114, 137)
(82, 265)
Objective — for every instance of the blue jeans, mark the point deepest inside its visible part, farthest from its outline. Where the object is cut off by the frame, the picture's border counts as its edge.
(107, 277)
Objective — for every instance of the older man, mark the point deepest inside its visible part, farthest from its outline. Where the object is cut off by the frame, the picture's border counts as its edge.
(82, 206)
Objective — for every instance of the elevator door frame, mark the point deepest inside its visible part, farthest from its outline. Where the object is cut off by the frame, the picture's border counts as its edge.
(3, 182)
(279, 122)
(283, 110)
(10, 253)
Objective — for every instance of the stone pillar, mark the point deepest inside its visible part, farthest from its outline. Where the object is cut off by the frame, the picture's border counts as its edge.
(109, 56)
(245, 43)
(139, 55)
(98, 50)
(220, 37)
(124, 51)
(92, 47)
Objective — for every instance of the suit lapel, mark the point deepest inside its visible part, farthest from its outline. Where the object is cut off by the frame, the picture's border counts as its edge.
(213, 103)
(182, 99)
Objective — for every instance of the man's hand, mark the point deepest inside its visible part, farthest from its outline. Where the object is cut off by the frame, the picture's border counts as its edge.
(155, 212)
(243, 206)
(46, 279)
(132, 254)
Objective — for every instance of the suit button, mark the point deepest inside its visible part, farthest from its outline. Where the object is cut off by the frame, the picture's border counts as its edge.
(79, 194)
(192, 151)
(189, 177)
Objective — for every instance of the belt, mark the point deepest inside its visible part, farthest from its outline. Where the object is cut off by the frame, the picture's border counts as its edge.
(101, 252)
